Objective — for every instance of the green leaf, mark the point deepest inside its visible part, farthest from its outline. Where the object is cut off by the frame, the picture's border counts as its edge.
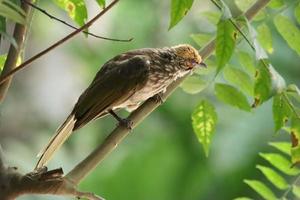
(265, 37)
(281, 163)
(2, 61)
(281, 111)
(201, 39)
(293, 91)
(212, 17)
(243, 198)
(292, 36)
(267, 82)
(276, 4)
(11, 11)
(296, 191)
(2, 24)
(247, 62)
(204, 120)
(295, 136)
(230, 95)
(297, 13)
(225, 43)
(239, 78)
(261, 189)
(179, 8)
(76, 9)
(259, 51)
(276, 179)
(284, 147)
(243, 5)
(101, 3)
(193, 84)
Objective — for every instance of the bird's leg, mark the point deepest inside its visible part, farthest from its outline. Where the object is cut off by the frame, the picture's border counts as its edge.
(124, 122)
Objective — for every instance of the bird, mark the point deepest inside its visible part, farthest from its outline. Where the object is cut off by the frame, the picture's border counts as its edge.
(125, 81)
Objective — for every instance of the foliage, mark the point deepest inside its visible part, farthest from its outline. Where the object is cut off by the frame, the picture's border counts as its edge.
(242, 78)
(281, 180)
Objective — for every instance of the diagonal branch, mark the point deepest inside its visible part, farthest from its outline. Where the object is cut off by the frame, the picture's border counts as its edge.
(7, 75)
(119, 133)
(19, 34)
(71, 26)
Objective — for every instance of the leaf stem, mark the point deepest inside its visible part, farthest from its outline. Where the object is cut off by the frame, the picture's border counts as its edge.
(7, 75)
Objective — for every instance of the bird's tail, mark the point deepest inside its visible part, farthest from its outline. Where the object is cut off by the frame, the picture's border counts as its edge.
(61, 135)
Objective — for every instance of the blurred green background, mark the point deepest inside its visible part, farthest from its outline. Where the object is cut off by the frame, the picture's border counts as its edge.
(161, 159)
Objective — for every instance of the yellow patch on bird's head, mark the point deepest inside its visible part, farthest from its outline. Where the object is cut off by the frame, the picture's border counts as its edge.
(189, 54)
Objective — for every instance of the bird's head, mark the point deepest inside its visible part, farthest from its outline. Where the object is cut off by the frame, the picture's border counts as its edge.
(188, 56)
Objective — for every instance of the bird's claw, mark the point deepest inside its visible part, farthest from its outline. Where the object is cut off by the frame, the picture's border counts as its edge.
(127, 123)
(158, 98)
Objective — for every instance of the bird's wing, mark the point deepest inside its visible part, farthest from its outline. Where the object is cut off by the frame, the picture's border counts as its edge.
(111, 87)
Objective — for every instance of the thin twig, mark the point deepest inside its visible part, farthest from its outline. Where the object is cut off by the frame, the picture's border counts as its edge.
(33, 58)
(119, 133)
(19, 35)
(73, 27)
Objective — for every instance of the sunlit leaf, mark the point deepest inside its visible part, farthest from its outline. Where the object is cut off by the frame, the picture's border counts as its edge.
(295, 136)
(281, 111)
(76, 9)
(212, 17)
(230, 95)
(225, 43)
(261, 189)
(179, 8)
(292, 36)
(276, 179)
(239, 78)
(201, 39)
(297, 13)
(193, 84)
(2, 61)
(204, 120)
(296, 191)
(284, 147)
(247, 62)
(265, 37)
(276, 4)
(101, 3)
(281, 163)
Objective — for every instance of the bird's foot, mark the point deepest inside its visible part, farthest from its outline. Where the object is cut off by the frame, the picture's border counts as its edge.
(127, 123)
(158, 98)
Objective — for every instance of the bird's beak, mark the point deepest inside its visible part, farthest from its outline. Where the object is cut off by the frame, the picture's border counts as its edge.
(202, 64)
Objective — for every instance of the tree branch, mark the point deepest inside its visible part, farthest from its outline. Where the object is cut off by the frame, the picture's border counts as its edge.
(7, 75)
(19, 34)
(14, 184)
(73, 27)
(119, 133)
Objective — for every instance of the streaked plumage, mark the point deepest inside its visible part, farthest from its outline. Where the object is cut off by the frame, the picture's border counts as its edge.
(124, 82)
